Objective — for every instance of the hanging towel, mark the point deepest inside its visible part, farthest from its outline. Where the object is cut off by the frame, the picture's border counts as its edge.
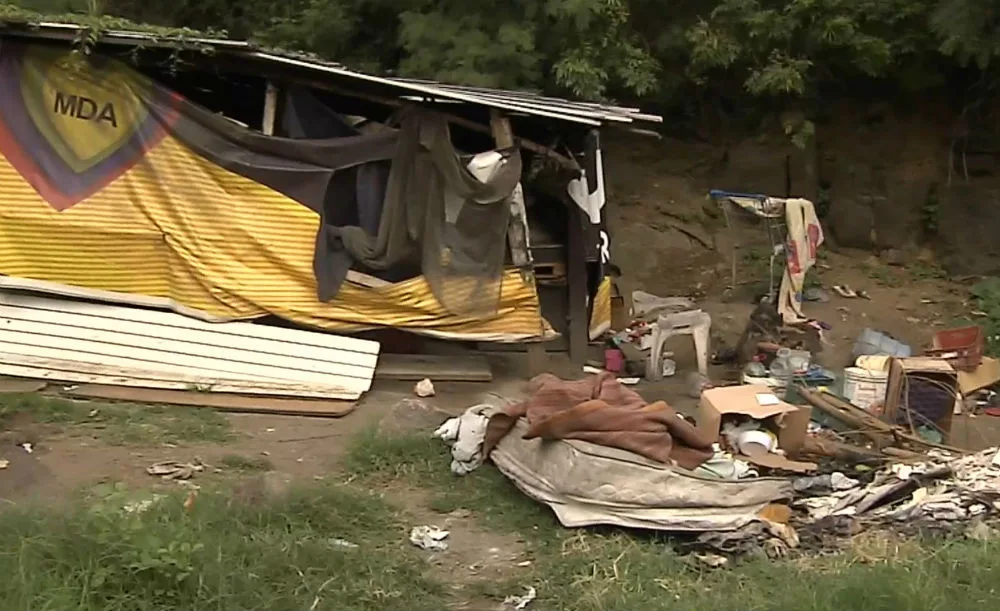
(804, 237)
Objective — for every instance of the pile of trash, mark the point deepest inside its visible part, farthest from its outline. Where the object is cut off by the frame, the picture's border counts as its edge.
(788, 448)
(944, 488)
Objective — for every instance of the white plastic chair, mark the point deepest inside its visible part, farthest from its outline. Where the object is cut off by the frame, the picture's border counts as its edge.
(695, 323)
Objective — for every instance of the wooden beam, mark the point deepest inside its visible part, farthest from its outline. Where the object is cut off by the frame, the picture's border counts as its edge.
(517, 230)
(468, 124)
(517, 238)
(576, 280)
(270, 109)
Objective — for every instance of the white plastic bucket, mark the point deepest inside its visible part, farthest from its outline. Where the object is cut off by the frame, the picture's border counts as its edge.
(865, 387)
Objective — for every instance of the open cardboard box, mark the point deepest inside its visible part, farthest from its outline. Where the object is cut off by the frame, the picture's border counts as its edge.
(938, 371)
(987, 374)
(789, 423)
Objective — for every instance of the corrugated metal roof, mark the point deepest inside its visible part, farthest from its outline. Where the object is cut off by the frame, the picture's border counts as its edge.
(521, 102)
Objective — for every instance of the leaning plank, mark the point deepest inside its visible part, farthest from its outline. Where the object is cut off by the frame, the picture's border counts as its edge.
(178, 322)
(54, 370)
(80, 340)
(135, 334)
(223, 402)
(435, 367)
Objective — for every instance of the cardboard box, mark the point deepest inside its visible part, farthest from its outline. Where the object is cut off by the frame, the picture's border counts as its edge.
(987, 374)
(789, 423)
(922, 373)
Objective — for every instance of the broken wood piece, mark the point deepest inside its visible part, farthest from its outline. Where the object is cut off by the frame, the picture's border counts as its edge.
(323, 408)
(893, 492)
(882, 434)
(16, 386)
(416, 367)
(867, 425)
(839, 450)
(904, 455)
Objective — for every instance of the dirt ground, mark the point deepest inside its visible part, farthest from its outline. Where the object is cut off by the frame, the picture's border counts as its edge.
(907, 303)
(304, 449)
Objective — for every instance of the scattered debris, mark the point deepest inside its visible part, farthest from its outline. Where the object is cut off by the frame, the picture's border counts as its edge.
(28, 447)
(430, 538)
(141, 505)
(759, 537)
(4, 464)
(596, 370)
(343, 543)
(424, 388)
(945, 488)
(830, 482)
(466, 435)
(980, 531)
(848, 293)
(521, 602)
(175, 470)
(712, 561)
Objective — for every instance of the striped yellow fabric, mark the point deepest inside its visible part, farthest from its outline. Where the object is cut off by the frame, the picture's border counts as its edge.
(179, 227)
(600, 314)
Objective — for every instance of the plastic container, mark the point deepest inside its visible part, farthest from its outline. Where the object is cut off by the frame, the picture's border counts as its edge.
(782, 370)
(748, 439)
(962, 347)
(875, 342)
(614, 360)
(865, 388)
(798, 361)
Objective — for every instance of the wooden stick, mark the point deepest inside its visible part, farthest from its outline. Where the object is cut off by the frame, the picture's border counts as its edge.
(837, 449)
(875, 433)
(896, 431)
(881, 433)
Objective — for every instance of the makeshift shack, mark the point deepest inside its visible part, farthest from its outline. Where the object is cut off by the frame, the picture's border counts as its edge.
(227, 182)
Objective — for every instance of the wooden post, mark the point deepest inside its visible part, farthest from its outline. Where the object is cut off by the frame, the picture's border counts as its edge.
(270, 109)
(517, 232)
(576, 281)
(517, 239)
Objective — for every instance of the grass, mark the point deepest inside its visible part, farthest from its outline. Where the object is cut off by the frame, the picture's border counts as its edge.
(280, 554)
(120, 423)
(600, 570)
(287, 551)
(239, 462)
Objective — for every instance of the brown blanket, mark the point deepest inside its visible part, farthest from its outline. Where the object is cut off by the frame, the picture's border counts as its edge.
(600, 410)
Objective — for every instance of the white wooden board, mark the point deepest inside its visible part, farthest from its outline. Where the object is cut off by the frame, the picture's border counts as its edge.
(73, 341)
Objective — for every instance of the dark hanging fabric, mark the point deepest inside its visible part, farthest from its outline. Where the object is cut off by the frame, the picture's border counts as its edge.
(462, 260)
(306, 116)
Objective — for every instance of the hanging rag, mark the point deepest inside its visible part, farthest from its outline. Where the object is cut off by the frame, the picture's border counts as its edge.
(804, 237)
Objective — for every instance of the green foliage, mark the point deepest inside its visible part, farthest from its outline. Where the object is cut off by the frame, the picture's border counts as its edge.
(969, 30)
(987, 294)
(125, 550)
(785, 48)
(769, 55)
(583, 46)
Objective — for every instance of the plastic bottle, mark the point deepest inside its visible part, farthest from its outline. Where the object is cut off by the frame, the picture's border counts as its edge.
(782, 369)
(755, 368)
